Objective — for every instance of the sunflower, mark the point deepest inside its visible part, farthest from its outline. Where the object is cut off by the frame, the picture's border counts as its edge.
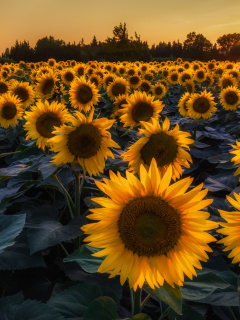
(134, 81)
(146, 86)
(236, 159)
(46, 85)
(209, 79)
(107, 79)
(231, 229)
(165, 145)
(230, 98)
(80, 70)
(185, 75)
(211, 66)
(150, 230)
(165, 73)
(173, 77)
(121, 70)
(119, 101)
(4, 74)
(201, 105)
(227, 81)
(140, 107)
(10, 110)
(42, 119)
(83, 94)
(86, 142)
(4, 87)
(182, 104)
(117, 87)
(23, 91)
(165, 83)
(67, 76)
(96, 80)
(189, 85)
(159, 90)
(51, 62)
(186, 65)
(200, 75)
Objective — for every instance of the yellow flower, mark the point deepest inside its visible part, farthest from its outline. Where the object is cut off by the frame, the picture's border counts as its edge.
(86, 142)
(4, 87)
(231, 229)
(150, 230)
(46, 85)
(236, 159)
(200, 75)
(23, 91)
(140, 107)
(230, 98)
(159, 90)
(201, 105)
(83, 94)
(68, 75)
(118, 87)
(166, 146)
(10, 110)
(182, 104)
(42, 119)
(227, 80)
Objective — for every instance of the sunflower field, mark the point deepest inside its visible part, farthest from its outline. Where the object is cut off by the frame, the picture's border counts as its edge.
(119, 190)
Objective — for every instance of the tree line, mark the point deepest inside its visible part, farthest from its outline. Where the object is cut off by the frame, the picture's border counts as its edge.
(121, 47)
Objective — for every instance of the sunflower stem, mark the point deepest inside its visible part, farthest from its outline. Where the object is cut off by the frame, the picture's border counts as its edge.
(136, 301)
(144, 302)
(77, 192)
(64, 249)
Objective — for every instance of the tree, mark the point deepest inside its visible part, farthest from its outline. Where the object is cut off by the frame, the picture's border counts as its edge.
(197, 46)
(227, 41)
(235, 53)
(120, 33)
(94, 42)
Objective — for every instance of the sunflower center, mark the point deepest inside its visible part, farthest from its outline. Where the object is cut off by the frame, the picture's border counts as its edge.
(174, 77)
(226, 83)
(118, 88)
(160, 146)
(84, 94)
(22, 93)
(85, 141)
(149, 226)
(109, 80)
(158, 90)
(46, 122)
(185, 77)
(3, 87)
(121, 70)
(145, 86)
(47, 86)
(201, 105)
(142, 111)
(134, 80)
(131, 72)
(69, 76)
(9, 110)
(94, 81)
(189, 87)
(200, 74)
(231, 97)
(80, 71)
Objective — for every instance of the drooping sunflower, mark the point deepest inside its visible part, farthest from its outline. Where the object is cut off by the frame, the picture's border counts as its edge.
(150, 230)
(46, 85)
(23, 91)
(227, 81)
(159, 90)
(230, 98)
(10, 110)
(236, 159)
(182, 104)
(231, 229)
(83, 94)
(86, 142)
(140, 107)
(117, 87)
(201, 106)
(42, 119)
(4, 87)
(166, 146)
(68, 75)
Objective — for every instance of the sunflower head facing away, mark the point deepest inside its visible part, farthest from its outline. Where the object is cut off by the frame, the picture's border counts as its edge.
(10, 110)
(201, 105)
(230, 98)
(150, 230)
(140, 107)
(42, 119)
(166, 146)
(83, 94)
(86, 142)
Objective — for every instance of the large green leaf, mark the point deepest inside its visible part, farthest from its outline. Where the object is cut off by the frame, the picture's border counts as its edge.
(83, 256)
(169, 295)
(44, 229)
(102, 308)
(141, 316)
(10, 227)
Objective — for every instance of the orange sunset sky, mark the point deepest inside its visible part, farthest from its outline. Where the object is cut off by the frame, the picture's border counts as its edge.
(154, 20)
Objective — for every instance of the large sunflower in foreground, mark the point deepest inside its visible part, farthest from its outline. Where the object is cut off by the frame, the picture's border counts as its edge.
(83, 94)
(42, 119)
(86, 142)
(10, 110)
(201, 105)
(23, 91)
(165, 145)
(230, 98)
(231, 229)
(140, 107)
(150, 230)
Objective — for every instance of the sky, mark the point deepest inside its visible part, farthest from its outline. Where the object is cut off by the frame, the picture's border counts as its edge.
(153, 20)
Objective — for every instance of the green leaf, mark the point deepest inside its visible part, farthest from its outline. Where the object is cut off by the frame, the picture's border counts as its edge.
(74, 301)
(102, 308)
(169, 295)
(2, 155)
(83, 256)
(10, 227)
(141, 316)
(44, 229)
